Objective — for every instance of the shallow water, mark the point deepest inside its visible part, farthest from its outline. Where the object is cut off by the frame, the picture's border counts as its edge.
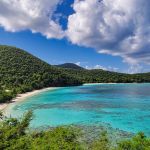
(122, 106)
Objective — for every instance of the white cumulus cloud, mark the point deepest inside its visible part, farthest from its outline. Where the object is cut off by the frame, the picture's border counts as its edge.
(99, 67)
(78, 63)
(115, 27)
(34, 15)
(108, 68)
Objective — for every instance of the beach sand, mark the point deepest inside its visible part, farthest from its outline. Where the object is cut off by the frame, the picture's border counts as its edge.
(21, 97)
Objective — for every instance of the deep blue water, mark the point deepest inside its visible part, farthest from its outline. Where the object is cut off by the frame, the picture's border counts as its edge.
(123, 106)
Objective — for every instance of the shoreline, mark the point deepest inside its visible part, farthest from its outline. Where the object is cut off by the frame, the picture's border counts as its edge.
(114, 83)
(21, 97)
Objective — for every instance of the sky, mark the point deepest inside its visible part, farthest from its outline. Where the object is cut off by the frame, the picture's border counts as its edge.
(96, 34)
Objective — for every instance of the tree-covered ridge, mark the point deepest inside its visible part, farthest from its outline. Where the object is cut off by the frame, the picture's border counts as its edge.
(102, 76)
(21, 72)
(14, 135)
(69, 66)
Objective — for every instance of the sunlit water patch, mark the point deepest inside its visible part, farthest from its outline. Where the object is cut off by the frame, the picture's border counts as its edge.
(123, 106)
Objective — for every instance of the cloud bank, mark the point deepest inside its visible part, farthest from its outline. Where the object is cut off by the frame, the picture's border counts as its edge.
(113, 27)
(34, 15)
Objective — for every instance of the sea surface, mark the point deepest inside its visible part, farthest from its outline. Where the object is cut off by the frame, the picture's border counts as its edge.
(122, 106)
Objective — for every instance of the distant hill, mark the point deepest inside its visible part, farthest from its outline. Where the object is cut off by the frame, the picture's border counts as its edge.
(21, 72)
(103, 76)
(69, 66)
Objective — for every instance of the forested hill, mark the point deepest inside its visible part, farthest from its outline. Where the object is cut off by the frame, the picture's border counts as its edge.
(69, 66)
(22, 72)
(103, 76)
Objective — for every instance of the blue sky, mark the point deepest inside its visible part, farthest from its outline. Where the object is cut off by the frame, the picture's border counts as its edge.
(58, 51)
(63, 31)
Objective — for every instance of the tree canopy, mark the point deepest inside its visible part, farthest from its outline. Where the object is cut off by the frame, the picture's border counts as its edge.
(15, 135)
(21, 72)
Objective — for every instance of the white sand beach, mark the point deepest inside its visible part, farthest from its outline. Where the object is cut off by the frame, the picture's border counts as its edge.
(21, 97)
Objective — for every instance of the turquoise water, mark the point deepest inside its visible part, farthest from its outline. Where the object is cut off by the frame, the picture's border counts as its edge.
(122, 106)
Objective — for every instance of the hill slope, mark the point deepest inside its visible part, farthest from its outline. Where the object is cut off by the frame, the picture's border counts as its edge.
(21, 72)
(102, 76)
(69, 66)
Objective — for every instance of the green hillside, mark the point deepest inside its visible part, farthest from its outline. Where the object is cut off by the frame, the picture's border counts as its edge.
(21, 72)
(102, 76)
(69, 66)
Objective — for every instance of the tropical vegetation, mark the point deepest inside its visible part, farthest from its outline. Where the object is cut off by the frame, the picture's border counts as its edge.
(22, 72)
(15, 135)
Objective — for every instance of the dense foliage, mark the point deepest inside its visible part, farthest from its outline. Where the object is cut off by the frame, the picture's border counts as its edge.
(21, 72)
(69, 66)
(15, 135)
(101, 76)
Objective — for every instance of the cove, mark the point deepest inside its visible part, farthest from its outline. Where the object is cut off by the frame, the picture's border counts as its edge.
(122, 106)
